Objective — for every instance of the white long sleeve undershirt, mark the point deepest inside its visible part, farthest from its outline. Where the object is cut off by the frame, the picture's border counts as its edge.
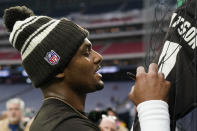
(153, 116)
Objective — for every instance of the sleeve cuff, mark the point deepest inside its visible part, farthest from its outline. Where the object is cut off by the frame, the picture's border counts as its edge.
(153, 115)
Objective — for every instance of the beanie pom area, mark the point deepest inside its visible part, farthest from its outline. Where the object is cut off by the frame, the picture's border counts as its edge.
(13, 14)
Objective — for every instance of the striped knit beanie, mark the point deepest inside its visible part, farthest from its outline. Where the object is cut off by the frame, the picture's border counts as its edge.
(46, 45)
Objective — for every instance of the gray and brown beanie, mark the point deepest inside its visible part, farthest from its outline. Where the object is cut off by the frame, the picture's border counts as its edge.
(46, 45)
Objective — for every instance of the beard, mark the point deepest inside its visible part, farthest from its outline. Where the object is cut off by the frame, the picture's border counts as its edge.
(99, 86)
(14, 120)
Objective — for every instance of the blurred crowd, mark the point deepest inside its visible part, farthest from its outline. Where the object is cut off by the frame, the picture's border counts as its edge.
(18, 118)
(107, 120)
(15, 118)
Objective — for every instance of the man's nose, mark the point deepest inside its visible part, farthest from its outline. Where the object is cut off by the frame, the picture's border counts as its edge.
(97, 58)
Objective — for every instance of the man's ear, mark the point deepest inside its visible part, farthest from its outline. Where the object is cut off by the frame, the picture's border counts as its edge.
(60, 75)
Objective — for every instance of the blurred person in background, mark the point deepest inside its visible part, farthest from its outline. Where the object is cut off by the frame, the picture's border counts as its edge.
(111, 112)
(13, 122)
(108, 123)
(121, 126)
(59, 59)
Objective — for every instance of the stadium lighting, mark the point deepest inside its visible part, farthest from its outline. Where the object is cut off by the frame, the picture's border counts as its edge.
(108, 69)
(4, 73)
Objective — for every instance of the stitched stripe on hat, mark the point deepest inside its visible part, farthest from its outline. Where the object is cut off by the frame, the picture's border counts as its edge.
(41, 30)
(20, 28)
(38, 38)
(29, 30)
(34, 34)
(18, 25)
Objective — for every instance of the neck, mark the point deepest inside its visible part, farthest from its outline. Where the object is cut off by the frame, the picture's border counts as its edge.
(66, 94)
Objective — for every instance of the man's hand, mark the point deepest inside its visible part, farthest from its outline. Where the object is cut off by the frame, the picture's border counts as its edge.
(149, 86)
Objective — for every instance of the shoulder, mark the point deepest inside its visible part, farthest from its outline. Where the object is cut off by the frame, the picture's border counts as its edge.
(5, 121)
(56, 116)
(3, 124)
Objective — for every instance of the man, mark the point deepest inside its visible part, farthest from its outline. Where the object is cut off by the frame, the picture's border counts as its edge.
(59, 60)
(111, 112)
(108, 123)
(120, 124)
(13, 122)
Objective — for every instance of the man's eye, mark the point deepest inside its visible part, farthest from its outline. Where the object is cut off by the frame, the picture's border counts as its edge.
(87, 53)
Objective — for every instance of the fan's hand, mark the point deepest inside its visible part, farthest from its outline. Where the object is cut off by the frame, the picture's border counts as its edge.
(149, 86)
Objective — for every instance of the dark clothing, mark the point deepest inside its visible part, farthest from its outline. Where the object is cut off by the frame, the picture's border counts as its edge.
(14, 127)
(183, 95)
(55, 115)
(180, 43)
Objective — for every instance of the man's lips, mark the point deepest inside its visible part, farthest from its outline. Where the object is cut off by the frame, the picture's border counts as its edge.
(98, 68)
(98, 74)
(97, 71)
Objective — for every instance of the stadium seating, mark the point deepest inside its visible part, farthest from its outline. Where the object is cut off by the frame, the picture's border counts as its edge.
(104, 49)
(98, 47)
(123, 48)
(112, 94)
(33, 97)
(9, 55)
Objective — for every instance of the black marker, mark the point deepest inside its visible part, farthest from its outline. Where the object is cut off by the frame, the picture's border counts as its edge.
(131, 75)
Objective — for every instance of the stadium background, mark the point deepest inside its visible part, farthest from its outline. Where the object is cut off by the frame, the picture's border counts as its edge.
(127, 33)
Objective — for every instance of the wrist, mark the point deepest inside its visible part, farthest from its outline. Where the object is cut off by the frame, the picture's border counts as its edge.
(152, 104)
(153, 114)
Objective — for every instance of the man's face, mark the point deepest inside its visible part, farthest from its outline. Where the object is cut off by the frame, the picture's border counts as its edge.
(108, 125)
(14, 113)
(81, 73)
